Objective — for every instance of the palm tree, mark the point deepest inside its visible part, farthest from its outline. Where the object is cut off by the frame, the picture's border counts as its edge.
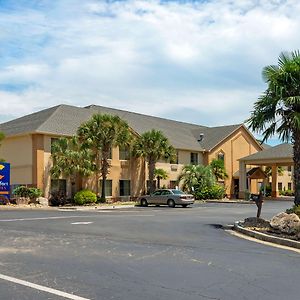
(268, 171)
(70, 160)
(277, 111)
(194, 177)
(153, 146)
(100, 134)
(218, 169)
(189, 178)
(160, 174)
(2, 137)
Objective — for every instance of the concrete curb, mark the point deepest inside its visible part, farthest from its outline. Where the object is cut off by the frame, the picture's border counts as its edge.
(266, 237)
(93, 208)
(229, 202)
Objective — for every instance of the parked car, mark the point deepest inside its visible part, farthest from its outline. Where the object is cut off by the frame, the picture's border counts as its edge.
(168, 197)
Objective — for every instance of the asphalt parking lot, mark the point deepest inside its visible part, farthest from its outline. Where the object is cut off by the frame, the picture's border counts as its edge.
(141, 253)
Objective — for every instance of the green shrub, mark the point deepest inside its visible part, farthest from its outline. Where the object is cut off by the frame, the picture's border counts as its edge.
(23, 191)
(247, 195)
(268, 191)
(287, 193)
(214, 192)
(100, 199)
(34, 193)
(295, 209)
(85, 197)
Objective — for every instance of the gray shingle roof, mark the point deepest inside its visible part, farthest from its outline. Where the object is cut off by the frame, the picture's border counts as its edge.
(214, 135)
(65, 119)
(282, 151)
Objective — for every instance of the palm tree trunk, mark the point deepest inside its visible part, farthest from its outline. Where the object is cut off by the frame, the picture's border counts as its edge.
(296, 148)
(151, 166)
(104, 171)
(158, 182)
(98, 172)
(103, 198)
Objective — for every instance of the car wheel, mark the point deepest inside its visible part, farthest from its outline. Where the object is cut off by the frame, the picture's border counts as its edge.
(171, 203)
(184, 205)
(144, 203)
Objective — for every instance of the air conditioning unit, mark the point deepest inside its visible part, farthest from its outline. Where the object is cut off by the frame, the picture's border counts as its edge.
(174, 168)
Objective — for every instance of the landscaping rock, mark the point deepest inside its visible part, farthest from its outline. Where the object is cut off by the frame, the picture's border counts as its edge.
(22, 200)
(43, 201)
(286, 223)
(276, 220)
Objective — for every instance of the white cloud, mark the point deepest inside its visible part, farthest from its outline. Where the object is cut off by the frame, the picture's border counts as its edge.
(147, 56)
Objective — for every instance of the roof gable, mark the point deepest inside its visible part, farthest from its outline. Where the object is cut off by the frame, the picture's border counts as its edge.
(282, 151)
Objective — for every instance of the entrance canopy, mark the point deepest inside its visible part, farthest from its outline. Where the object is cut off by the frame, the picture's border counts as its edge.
(281, 155)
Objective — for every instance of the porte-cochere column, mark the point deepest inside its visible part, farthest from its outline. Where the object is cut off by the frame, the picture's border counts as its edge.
(242, 180)
(275, 192)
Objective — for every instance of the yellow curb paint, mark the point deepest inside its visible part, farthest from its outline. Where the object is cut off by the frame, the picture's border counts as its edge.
(249, 238)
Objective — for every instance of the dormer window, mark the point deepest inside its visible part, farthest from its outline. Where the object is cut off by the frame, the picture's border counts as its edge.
(221, 156)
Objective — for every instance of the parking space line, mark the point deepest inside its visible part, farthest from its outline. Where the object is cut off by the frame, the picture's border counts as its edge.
(81, 223)
(45, 218)
(41, 288)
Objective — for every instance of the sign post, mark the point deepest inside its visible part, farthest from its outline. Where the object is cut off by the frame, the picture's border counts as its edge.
(5, 180)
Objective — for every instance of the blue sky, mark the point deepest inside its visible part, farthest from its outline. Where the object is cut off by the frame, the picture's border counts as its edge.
(194, 61)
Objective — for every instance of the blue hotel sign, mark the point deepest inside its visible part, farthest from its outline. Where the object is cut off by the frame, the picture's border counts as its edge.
(5, 180)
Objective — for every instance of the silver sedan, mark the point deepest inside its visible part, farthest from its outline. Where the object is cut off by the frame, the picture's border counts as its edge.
(168, 197)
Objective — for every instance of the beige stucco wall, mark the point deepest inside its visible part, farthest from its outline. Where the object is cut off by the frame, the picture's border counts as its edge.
(47, 164)
(236, 146)
(285, 179)
(18, 152)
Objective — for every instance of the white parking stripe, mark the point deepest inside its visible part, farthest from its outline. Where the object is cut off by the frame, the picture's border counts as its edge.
(46, 218)
(41, 288)
(81, 223)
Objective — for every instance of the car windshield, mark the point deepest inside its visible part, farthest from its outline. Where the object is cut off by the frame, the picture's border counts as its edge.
(177, 192)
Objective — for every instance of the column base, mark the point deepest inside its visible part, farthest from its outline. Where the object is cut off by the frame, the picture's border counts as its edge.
(275, 194)
(241, 195)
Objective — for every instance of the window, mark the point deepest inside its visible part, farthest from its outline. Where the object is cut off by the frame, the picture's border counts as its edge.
(124, 187)
(165, 192)
(289, 168)
(194, 158)
(53, 140)
(280, 186)
(221, 156)
(157, 193)
(289, 186)
(124, 153)
(108, 187)
(58, 186)
(173, 184)
(176, 159)
(177, 192)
